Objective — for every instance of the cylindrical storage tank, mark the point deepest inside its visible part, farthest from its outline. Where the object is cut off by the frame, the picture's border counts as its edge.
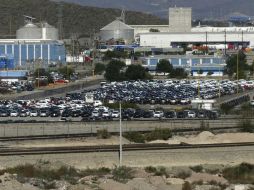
(49, 32)
(117, 30)
(29, 31)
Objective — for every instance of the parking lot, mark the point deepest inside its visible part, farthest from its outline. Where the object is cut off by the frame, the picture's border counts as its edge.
(74, 107)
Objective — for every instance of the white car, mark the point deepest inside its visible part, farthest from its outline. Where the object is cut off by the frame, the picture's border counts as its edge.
(158, 114)
(252, 102)
(97, 103)
(33, 113)
(106, 114)
(14, 113)
(191, 114)
(95, 113)
(115, 114)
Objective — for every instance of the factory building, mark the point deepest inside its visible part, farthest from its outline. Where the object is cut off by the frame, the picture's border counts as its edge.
(191, 63)
(34, 43)
(117, 30)
(164, 40)
(179, 31)
(180, 19)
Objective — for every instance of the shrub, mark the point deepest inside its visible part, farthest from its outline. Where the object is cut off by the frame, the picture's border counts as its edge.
(150, 169)
(186, 186)
(96, 172)
(103, 134)
(197, 169)
(204, 126)
(161, 171)
(246, 126)
(158, 134)
(212, 171)
(183, 174)
(244, 173)
(122, 174)
(200, 182)
(134, 137)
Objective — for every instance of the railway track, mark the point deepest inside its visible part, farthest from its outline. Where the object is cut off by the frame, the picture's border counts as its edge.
(4, 151)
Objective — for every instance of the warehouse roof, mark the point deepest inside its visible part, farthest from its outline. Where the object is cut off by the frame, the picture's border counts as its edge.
(117, 25)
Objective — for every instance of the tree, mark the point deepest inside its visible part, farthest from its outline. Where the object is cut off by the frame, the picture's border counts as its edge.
(99, 68)
(231, 67)
(200, 72)
(153, 30)
(113, 71)
(210, 73)
(135, 72)
(178, 73)
(164, 66)
(66, 71)
(109, 55)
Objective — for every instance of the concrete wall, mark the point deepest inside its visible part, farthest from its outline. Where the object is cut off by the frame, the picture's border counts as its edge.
(180, 19)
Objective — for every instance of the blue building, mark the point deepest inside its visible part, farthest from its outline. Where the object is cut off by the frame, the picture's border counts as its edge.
(24, 51)
(188, 62)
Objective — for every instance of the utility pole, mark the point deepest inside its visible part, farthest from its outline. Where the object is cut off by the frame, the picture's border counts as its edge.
(120, 138)
(237, 71)
(60, 20)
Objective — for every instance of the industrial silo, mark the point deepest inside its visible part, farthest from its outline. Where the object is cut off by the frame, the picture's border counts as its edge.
(49, 32)
(117, 30)
(29, 31)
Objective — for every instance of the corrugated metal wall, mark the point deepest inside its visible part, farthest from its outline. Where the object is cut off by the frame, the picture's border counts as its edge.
(29, 52)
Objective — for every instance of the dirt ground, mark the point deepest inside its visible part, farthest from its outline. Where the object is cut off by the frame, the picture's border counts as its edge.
(202, 138)
(207, 137)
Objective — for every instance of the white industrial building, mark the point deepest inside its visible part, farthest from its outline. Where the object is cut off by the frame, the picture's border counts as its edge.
(179, 30)
(163, 40)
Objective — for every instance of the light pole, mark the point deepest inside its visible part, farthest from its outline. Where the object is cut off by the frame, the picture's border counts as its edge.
(120, 138)
(237, 70)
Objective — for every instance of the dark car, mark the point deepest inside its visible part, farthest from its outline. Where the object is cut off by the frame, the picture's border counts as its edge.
(170, 114)
(76, 113)
(66, 113)
(55, 113)
(147, 114)
(181, 114)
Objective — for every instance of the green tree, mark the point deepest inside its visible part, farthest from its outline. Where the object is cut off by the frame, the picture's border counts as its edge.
(164, 66)
(231, 67)
(153, 30)
(116, 54)
(66, 71)
(40, 72)
(200, 72)
(210, 73)
(135, 72)
(178, 73)
(252, 68)
(113, 71)
(99, 68)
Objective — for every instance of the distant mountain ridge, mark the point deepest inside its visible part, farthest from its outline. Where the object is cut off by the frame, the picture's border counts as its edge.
(201, 8)
(77, 20)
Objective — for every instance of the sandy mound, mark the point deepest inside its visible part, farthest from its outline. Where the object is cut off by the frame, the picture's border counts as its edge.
(209, 138)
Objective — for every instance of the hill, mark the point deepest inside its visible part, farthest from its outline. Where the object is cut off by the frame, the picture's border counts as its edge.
(81, 20)
(201, 8)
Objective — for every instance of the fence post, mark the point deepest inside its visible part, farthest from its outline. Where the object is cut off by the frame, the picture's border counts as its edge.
(17, 130)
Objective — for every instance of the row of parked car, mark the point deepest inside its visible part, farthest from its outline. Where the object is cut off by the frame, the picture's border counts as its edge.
(164, 91)
(103, 113)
